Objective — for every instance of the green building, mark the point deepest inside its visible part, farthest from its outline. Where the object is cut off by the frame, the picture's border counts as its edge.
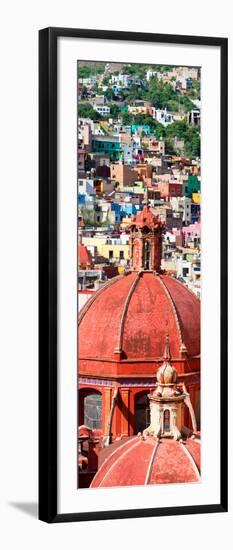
(107, 145)
(193, 185)
(143, 128)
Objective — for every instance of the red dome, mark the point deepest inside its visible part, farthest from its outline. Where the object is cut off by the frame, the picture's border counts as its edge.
(148, 461)
(84, 256)
(133, 313)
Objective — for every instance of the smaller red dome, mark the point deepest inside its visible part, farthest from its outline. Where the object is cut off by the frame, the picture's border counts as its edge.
(146, 218)
(166, 374)
(84, 257)
(148, 461)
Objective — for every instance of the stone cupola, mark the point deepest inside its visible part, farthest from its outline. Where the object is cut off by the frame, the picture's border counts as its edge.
(167, 402)
(146, 240)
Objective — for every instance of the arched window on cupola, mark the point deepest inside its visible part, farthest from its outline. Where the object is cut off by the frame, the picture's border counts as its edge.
(147, 255)
(166, 421)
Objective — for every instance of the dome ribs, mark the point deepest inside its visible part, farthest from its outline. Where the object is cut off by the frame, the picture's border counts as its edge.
(96, 294)
(150, 467)
(172, 464)
(192, 461)
(173, 307)
(106, 464)
(120, 458)
(127, 320)
(124, 312)
(192, 445)
(149, 461)
(188, 312)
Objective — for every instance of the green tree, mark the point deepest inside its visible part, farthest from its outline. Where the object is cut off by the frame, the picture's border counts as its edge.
(84, 72)
(186, 103)
(109, 94)
(160, 93)
(105, 81)
(134, 93)
(127, 119)
(114, 110)
(195, 91)
(169, 147)
(85, 110)
(190, 135)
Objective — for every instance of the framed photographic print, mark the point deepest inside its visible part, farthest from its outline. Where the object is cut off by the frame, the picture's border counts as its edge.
(133, 275)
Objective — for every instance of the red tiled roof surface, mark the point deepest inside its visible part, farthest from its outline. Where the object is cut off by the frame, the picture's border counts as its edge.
(134, 313)
(84, 256)
(143, 461)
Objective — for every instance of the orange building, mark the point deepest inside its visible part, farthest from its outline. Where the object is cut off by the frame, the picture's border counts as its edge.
(169, 189)
(84, 257)
(143, 170)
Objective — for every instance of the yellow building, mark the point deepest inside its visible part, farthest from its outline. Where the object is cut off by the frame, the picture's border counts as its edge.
(111, 249)
(106, 186)
(196, 197)
(140, 108)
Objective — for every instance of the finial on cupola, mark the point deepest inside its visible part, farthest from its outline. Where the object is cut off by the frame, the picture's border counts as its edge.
(146, 197)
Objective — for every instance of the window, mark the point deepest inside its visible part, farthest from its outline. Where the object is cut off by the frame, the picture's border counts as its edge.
(147, 255)
(110, 254)
(141, 413)
(121, 255)
(166, 421)
(93, 410)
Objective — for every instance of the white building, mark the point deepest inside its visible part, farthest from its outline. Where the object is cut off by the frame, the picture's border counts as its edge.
(120, 80)
(150, 74)
(119, 128)
(163, 117)
(103, 110)
(90, 81)
(127, 153)
(182, 204)
(86, 186)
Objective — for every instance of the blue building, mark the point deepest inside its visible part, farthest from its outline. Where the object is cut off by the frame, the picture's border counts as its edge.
(140, 128)
(81, 199)
(115, 207)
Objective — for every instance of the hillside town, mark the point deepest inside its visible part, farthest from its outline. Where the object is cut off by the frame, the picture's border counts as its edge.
(139, 274)
(138, 132)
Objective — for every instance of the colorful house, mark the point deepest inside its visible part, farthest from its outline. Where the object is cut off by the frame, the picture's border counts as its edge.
(107, 145)
(193, 185)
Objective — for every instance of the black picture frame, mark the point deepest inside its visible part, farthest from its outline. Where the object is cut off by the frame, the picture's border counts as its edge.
(48, 274)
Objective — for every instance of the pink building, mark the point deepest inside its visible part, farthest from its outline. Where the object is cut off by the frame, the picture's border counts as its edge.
(186, 234)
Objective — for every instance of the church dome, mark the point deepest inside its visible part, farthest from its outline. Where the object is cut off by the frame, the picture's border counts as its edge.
(132, 314)
(148, 461)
